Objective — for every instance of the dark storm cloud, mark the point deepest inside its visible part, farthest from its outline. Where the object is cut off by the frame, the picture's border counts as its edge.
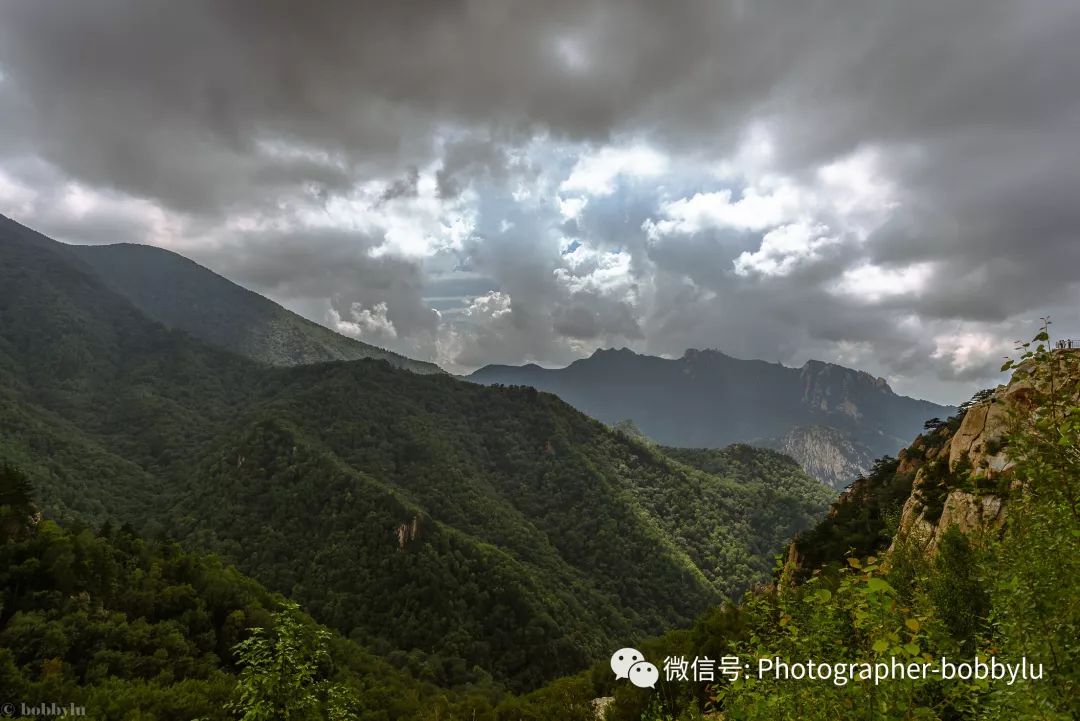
(466, 160)
(213, 109)
(403, 187)
(590, 315)
(298, 263)
(178, 100)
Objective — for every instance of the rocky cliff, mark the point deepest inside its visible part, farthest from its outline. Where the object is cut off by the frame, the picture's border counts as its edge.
(958, 472)
(825, 453)
(966, 482)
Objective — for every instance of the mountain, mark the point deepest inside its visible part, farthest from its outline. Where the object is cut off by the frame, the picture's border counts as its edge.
(832, 419)
(466, 529)
(182, 294)
(958, 556)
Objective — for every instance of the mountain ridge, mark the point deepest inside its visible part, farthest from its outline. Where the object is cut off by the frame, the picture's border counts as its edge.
(181, 293)
(707, 398)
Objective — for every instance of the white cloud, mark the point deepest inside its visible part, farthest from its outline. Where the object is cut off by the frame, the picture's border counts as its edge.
(603, 272)
(16, 199)
(971, 352)
(595, 173)
(74, 212)
(364, 323)
(757, 209)
(414, 226)
(572, 207)
(490, 306)
(872, 283)
(851, 189)
(799, 217)
(753, 158)
(856, 189)
(784, 249)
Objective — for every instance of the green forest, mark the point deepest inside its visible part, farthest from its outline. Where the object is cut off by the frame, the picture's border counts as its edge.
(526, 360)
(469, 537)
(135, 629)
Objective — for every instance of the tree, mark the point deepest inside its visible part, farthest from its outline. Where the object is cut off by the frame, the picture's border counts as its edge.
(15, 489)
(281, 673)
(16, 502)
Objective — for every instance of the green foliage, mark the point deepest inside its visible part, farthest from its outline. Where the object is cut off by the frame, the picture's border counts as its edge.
(131, 628)
(957, 589)
(15, 488)
(776, 497)
(16, 504)
(1035, 586)
(630, 429)
(280, 676)
(861, 522)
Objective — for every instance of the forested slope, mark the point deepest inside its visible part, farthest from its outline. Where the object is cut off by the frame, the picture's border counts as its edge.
(124, 628)
(961, 552)
(488, 530)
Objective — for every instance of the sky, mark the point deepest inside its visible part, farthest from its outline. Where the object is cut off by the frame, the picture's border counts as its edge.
(893, 186)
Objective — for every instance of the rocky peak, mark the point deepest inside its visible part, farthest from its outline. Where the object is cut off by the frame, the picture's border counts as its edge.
(834, 389)
(613, 353)
(703, 354)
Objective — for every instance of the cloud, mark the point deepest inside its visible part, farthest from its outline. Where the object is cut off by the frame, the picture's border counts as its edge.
(971, 354)
(71, 211)
(872, 283)
(859, 182)
(369, 324)
(753, 211)
(595, 173)
(404, 187)
(783, 249)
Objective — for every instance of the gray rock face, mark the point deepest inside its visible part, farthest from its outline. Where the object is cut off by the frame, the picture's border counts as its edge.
(826, 453)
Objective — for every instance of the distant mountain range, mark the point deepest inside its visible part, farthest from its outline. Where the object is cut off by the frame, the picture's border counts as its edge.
(183, 294)
(833, 420)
